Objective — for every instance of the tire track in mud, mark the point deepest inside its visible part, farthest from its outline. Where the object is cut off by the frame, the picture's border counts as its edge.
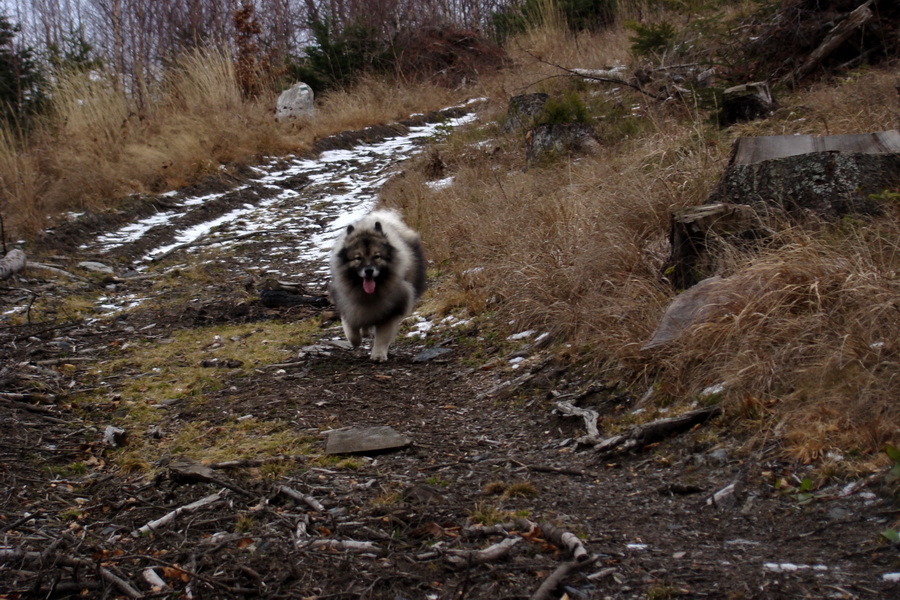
(292, 206)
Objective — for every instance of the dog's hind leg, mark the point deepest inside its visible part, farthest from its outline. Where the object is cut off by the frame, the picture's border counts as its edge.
(354, 335)
(384, 335)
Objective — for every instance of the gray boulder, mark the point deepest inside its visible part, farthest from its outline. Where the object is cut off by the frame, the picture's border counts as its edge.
(295, 102)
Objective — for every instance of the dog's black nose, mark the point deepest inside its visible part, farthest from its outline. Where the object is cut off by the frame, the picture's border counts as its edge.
(369, 272)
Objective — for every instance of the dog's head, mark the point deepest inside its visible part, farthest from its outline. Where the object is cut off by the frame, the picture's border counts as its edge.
(367, 256)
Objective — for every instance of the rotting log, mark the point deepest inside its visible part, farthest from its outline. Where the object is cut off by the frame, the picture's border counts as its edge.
(840, 34)
(12, 263)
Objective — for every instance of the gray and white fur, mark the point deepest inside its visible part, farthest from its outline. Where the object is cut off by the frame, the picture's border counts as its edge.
(377, 274)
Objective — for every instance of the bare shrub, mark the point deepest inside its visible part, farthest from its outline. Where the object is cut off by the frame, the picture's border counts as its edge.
(446, 56)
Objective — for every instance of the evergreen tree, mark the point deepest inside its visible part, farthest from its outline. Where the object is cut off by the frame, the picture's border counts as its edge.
(20, 78)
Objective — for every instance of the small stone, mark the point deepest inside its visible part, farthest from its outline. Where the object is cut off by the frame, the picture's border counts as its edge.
(115, 436)
(719, 457)
(96, 267)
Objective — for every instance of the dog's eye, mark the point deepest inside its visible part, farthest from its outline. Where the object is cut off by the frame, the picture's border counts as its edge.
(377, 257)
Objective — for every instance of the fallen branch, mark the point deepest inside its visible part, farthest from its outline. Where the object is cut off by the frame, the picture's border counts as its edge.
(642, 435)
(586, 75)
(464, 558)
(349, 546)
(181, 510)
(562, 572)
(57, 270)
(38, 559)
(12, 263)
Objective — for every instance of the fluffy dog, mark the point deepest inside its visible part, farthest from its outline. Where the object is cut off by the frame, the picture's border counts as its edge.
(377, 274)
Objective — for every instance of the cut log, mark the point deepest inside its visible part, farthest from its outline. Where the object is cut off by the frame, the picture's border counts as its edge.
(840, 34)
(12, 263)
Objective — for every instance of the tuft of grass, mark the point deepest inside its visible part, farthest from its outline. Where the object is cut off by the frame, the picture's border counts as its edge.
(488, 514)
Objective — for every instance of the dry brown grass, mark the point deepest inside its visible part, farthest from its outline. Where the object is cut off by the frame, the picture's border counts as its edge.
(96, 147)
(808, 351)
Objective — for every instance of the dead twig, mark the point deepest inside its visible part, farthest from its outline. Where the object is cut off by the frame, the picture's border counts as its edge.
(299, 497)
(38, 559)
(168, 518)
(464, 558)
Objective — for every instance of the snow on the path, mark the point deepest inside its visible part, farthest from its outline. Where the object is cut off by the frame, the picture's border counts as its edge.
(343, 186)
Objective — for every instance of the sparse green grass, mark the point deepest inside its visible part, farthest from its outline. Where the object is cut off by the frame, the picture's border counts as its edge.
(169, 372)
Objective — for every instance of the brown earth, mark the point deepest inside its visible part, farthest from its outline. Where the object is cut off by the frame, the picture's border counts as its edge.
(481, 451)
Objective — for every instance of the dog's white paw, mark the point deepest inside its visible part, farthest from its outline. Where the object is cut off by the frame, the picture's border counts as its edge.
(378, 356)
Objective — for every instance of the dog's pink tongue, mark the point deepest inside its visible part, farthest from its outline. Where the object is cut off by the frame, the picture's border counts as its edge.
(369, 285)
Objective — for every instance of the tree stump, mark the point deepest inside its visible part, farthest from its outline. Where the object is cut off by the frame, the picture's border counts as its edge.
(696, 228)
(746, 102)
(560, 138)
(825, 176)
(522, 110)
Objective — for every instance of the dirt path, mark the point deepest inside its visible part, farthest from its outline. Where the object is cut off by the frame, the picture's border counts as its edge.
(181, 357)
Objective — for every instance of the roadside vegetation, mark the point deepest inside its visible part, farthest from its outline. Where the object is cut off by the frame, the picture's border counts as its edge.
(807, 359)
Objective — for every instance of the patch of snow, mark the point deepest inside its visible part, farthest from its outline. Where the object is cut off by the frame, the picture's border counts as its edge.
(521, 335)
(713, 390)
(440, 183)
(892, 577)
(791, 567)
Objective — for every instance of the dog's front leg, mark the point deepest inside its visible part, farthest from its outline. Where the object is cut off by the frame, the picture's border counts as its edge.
(354, 334)
(384, 335)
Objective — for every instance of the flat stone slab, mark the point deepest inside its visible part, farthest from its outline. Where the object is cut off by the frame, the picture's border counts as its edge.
(355, 440)
(430, 354)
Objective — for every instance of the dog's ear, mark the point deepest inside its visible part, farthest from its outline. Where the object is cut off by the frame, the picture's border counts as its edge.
(349, 229)
(378, 227)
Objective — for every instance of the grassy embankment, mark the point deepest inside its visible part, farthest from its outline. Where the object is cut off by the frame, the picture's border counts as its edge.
(807, 353)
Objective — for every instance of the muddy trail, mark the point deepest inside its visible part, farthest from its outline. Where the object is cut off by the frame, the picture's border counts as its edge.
(167, 412)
